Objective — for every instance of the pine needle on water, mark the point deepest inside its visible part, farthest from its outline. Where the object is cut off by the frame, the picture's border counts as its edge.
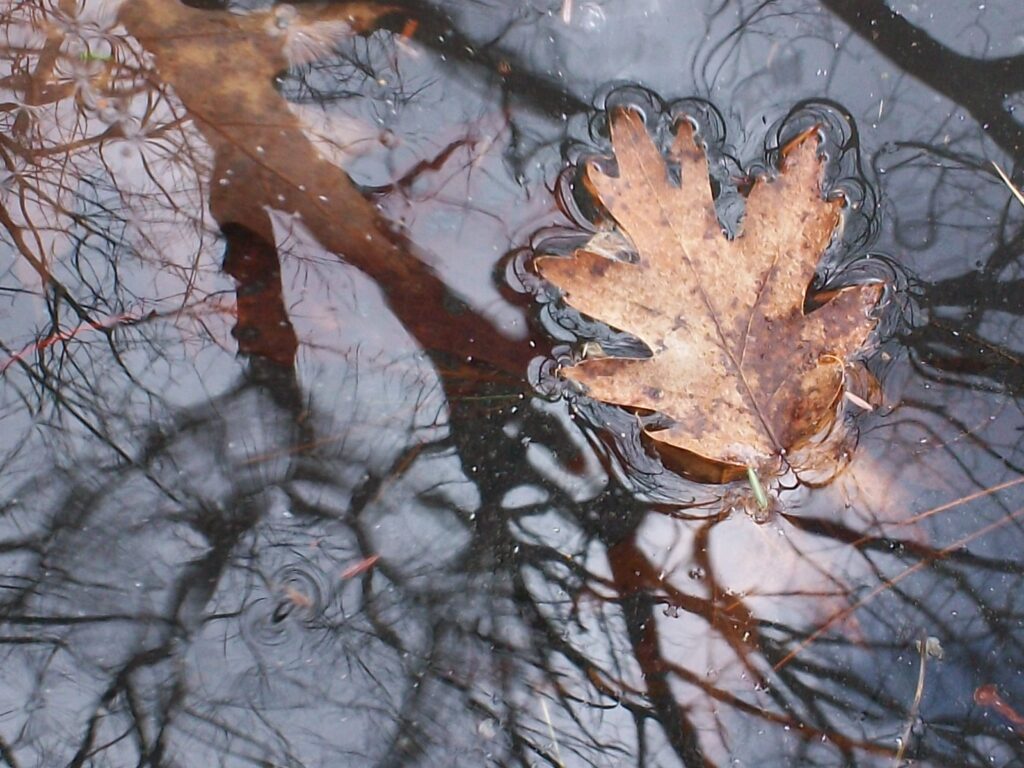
(1006, 180)
(755, 482)
(551, 732)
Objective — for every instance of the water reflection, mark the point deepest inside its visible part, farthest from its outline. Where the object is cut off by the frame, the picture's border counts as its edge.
(276, 489)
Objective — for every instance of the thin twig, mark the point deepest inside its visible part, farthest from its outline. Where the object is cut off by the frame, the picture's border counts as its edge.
(914, 705)
(1006, 180)
(551, 731)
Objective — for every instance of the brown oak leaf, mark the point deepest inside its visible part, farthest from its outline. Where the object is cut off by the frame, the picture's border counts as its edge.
(744, 375)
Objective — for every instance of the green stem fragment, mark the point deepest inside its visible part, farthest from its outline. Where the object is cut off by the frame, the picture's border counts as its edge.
(755, 482)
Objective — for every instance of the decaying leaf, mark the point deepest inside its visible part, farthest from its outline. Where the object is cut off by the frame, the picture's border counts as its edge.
(745, 376)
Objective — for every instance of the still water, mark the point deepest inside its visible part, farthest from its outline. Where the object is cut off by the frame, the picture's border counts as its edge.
(287, 478)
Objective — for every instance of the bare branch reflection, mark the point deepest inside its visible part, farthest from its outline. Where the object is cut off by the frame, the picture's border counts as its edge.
(277, 487)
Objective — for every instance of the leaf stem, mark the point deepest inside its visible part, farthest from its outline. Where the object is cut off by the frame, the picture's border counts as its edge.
(755, 482)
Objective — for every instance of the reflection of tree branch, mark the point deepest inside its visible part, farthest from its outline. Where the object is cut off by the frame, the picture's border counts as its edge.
(641, 624)
(7, 754)
(49, 282)
(521, 628)
(979, 85)
(439, 31)
(262, 151)
(264, 328)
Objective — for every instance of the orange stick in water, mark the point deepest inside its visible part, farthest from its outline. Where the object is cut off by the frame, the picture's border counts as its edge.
(988, 696)
(360, 567)
(410, 28)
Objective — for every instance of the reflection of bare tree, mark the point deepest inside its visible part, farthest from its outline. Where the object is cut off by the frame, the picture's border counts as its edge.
(960, 343)
(374, 551)
(982, 86)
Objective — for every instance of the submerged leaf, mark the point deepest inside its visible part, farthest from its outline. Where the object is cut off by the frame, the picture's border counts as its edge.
(742, 372)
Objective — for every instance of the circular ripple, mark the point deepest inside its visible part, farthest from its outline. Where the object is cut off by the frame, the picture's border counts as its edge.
(294, 600)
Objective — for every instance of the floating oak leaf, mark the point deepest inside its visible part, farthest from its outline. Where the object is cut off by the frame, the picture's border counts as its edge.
(742, 374)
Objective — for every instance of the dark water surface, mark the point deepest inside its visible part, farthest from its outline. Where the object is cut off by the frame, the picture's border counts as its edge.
(283, 478)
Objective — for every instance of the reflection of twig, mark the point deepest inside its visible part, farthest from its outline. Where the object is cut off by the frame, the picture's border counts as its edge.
(1006, 180)
(7, 754)
(107, 324)
(980, 84)
(962, 500)
(915, 704)
(890, 583)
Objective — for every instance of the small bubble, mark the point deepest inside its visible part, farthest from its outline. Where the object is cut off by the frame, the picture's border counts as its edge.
(591, 17)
